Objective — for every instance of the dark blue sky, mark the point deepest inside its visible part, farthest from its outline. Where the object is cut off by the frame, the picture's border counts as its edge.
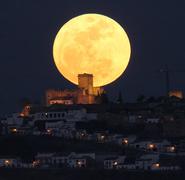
(156, 29)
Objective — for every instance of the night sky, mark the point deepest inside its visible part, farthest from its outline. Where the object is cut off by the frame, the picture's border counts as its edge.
(156, 29)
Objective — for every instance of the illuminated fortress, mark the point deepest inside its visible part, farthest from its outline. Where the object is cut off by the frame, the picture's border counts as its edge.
(84, 94)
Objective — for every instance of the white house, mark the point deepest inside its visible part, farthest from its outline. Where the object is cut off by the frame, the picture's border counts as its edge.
(166, 163)
(159, 145)
(9, 162)
(80, 160)
(60, 159)
(146, 161)
(129, 164)
(54, 124)
(113, 162)
(72, 160)
(151, 145)
(78, 114)
(152, 120)
(141, 144)
(81, 134)
(102, 136)
(159, 167)
(44, 158)
(124, 140)
(14, 119)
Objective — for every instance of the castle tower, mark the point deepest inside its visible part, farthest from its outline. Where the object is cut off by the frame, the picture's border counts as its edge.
(85, 94)
(85, 85)
(85, 82)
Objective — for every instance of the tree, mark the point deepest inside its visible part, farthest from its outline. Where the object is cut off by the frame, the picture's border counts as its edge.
(104, 98)
(120, 99)
(24, 102)
(151, 99)
(141, 99)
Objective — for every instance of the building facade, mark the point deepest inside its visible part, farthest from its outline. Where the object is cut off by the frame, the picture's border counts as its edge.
(84, 94)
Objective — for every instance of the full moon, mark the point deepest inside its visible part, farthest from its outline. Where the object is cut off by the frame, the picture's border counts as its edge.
(93, 44)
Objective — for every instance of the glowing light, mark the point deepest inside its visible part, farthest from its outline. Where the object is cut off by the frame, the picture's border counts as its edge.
(7, 162)
(35, 163)
(92, 44)
(157, 165)
(102, 137)
(21, 114)
(172, 148)
(14, 130)
(151, 146)
(125, 141)
(49, 131)
(115, 163)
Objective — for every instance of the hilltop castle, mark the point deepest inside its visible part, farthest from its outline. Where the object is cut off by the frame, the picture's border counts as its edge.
(84, 94)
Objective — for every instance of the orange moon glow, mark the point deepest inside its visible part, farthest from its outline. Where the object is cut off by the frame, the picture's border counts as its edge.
(93, 44)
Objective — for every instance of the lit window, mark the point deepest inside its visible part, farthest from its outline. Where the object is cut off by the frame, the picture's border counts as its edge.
(115, 163)
(102, 136)
(151, 146)
(157, 165)
(14, 130)
(172, 148)
(125, 141)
